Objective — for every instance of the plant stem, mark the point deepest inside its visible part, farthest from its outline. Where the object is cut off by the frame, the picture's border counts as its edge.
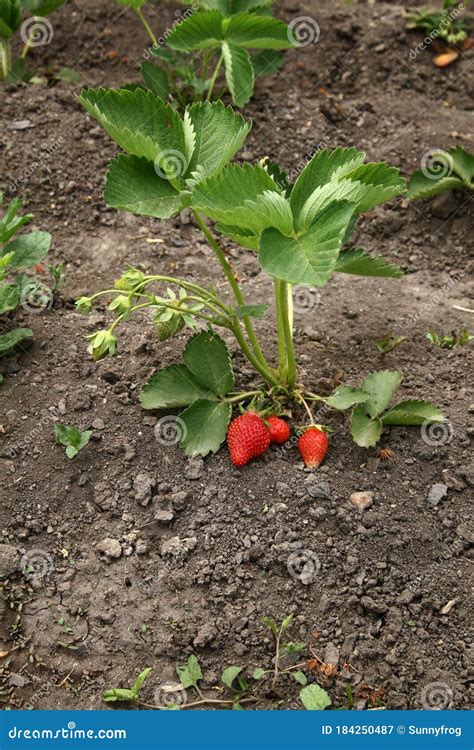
(264, 370)
(308, 410)
(282, 358)
(5, 53)
(234, 284)
(147, 26)
(202, 702)
(285, 290)
(214, 78)
(241, 396)
(277, 659)
(31, 36)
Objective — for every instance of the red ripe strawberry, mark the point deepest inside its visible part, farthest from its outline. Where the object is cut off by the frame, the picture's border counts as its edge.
(313, 446)
(279, 430)
(247, 438)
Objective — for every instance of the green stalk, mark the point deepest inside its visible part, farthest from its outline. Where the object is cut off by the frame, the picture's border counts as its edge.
(147, 26)
(283, 359)
(5, 54)
(235, 287)
(214, 78)
(264, 370)
(31, 36)
(288, 333)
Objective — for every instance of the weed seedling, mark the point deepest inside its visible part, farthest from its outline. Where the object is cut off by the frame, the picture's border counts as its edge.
(71, 438)
(450, 341)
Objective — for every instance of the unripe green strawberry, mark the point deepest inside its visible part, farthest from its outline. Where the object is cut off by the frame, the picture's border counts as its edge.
(247, 438)
(165, 329)
(279, 430)
(313, 446)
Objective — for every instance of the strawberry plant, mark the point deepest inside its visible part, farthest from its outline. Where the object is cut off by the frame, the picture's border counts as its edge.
(236, 38)
(17, 255)
(29, 18)
(300, 232)
(442, 171)
(444, 24)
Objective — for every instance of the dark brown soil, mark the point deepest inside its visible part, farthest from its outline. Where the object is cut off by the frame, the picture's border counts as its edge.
(385, 574)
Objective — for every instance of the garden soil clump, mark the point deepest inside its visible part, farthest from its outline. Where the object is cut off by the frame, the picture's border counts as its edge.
(140, 556)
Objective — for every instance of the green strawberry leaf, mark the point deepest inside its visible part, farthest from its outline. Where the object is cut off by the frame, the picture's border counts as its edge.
(29, 249)
(201, 30)
(218, 132)
(155, 79)
(463, 163)
(300, 677)
(365, 430)
(208, 359)
(314, 698)
(171, 388)
(266, 62)
(256, 32)
(323, 167)
(424, 186)
(413, 412)
(228, 196)
(359, 262)
(344, 397)
(380, 386)
(239, 73)
(9, 340)
(138, 121)
(310, 257)
(205, 427)
(133, 185)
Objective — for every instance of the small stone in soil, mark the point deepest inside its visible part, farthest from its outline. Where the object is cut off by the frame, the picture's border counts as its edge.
(8, 560)
(319, 489)
(362, 500)
(98, 424)
(194, 469)
(143, 484)
(110, 548)
(437, 493)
